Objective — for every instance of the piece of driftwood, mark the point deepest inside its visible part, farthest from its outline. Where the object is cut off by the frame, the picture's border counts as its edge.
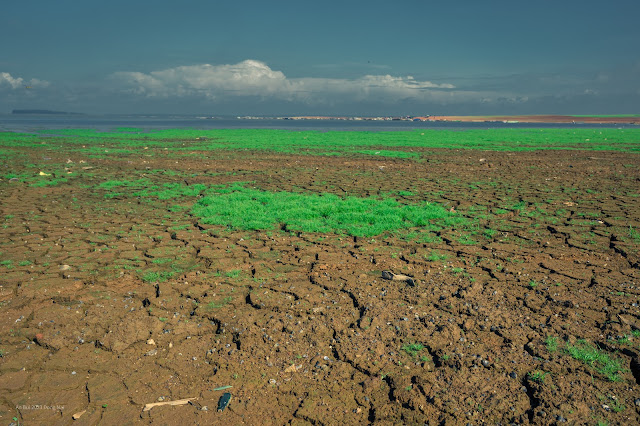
(148, 407)
(388, 275)
(76, 416)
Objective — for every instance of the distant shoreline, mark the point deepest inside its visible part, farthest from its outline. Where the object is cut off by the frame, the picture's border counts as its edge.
(603, 119)
(575, 119)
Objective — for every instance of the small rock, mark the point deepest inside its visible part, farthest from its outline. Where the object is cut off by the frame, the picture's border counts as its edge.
(637, 402)
(485, 363)
(513, 375)
(65, 267)
(151, 342)
(152, 352)
(204, 408)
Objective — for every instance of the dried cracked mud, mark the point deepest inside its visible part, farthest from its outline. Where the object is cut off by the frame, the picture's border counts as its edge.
(302, 326)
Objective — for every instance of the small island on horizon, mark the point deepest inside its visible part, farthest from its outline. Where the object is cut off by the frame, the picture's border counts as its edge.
(43, 112)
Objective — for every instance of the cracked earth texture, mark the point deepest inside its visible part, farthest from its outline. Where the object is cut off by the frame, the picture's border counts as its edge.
(108, 304)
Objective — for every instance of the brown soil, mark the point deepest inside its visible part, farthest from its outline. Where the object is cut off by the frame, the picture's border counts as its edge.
(303, 327)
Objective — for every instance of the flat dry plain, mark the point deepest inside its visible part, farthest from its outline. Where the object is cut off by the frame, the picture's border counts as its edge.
(112, 298)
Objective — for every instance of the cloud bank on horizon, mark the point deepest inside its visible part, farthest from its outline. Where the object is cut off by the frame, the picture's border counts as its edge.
(252, 78)
(253, 87)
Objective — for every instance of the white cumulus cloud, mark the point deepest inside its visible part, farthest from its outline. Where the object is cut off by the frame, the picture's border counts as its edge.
(255, 78)
(7, 80)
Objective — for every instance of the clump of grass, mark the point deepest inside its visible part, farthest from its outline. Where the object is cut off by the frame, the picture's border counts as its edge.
(537, 376)
(157, 276)
(552, 344)
(435, 256)
(251, 209)
(235, 273)
(219, 304)
(49, 182)
(413, 349)
(489, 233)
(596, 359)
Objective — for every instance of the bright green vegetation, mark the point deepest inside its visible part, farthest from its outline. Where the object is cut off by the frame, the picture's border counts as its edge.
(552, 343)
(537, 376)
(634, 234)
(596, 359)
(435, 256)
(413, 349)
(251, 209)
(390, 144)
(157, 276)
(235, 273)
(219, 304)
(145, 188)
(591, 355)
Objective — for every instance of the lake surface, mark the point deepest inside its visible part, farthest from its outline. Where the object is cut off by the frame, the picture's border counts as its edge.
(27, 123)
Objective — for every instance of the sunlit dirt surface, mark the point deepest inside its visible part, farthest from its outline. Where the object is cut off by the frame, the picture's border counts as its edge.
(303, 326)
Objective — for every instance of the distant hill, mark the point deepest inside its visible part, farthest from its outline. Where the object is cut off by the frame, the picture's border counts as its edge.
(43, 111)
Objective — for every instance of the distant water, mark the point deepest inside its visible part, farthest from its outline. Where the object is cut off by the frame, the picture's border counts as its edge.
(27, 123)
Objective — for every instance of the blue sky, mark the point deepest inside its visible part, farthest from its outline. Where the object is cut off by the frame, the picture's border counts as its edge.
(346, 57)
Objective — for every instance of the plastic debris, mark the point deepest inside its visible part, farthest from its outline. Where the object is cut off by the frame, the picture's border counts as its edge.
(223, 388)
(224, 401)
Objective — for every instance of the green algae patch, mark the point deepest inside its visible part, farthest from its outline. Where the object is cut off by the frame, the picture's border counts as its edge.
(253, 209)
